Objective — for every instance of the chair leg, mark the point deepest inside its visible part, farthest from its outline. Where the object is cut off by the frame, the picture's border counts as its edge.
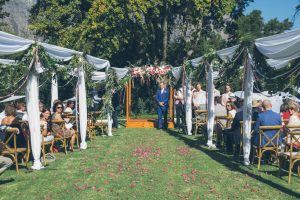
(77, 139)
(44, 156)
(259, 159)
(65, 146)
(17, 163)
(290, 172)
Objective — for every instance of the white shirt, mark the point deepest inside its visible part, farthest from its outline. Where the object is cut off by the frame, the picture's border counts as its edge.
(162, 90)
(179, 96)
(2, 116)
(225, 98)
(199, 97)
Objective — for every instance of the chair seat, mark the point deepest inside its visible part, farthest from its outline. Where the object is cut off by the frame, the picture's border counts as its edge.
(294, 154)
(104, 121)
(10, 151)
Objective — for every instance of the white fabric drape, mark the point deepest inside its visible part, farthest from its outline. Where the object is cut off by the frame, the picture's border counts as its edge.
(211, 105)
(188, 105)
(32, 103)
(109, 124)
(59, 53)
(176, 72)
(247, 109)
(120, 72)
(7, 62)
(98, 76)
(54, 89)
(98, 62)
(278, 64)
(195, 61)
(82, 107)
(11, 44)
(227, 53)
(281, 46)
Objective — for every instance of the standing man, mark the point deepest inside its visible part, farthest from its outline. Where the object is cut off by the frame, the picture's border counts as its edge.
(226, 95)
(162, 99)
(116, 105)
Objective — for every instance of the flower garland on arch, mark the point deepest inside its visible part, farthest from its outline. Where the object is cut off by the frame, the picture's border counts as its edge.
(146, 72)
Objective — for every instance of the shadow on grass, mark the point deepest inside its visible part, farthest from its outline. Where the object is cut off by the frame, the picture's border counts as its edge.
(228, 162)
(2, 182)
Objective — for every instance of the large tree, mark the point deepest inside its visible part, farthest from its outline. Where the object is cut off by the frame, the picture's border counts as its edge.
(144, 31)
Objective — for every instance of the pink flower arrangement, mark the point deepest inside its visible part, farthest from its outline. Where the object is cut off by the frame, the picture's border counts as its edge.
(149, 70)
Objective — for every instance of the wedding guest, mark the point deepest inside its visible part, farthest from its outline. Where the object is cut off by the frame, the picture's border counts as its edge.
(67, 130)
(220, 111)
(284, 111)
(226, 95)
(294, 117)
(11, 121)
(21, 112)
(199, 98)
(231, 109)
(70, 107)
(179, 106)
(41, 106)
(46, 124)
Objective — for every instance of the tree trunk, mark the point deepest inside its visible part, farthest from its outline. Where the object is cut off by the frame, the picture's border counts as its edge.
(165, 33)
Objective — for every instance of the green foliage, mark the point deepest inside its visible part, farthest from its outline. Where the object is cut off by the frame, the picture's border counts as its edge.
(132, 31)
(141, 107)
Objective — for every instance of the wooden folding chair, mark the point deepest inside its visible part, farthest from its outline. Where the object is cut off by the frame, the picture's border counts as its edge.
(58, 136)
(293, 153)
(269, 145)
(72, 120)
(14, 151)
(91, 126)
(201, 119)
(101, 123)
(223, 122)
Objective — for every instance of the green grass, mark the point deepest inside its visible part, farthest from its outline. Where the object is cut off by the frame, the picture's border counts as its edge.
(148, 164)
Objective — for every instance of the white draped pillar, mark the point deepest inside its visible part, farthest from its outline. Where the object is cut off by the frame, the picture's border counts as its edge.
(188, 105)
(109, 124)
(82, 107)
(247, 109)
(54, 89)
(32, 103)
(210, 106)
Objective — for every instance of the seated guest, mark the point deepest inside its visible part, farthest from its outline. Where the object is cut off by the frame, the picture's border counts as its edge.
(70, 107)
(220, 111)
(294, 117)
(11, 121)
(5, 163)
(45, 123)
(266, 118)
(41, 106)
(199, 98)
(231, 111)
(256, 109)
(67, 130)
(21, 111)
(284, 112)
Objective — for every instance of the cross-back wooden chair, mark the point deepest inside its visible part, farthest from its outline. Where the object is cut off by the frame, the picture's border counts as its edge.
(91, 128)
(201, 119)
(44, 144)
(101, 123)
(14, 151)
(242, 133)
(223, 122)
(72, 119)
(260, 149)
(293, 151)
(58, 137)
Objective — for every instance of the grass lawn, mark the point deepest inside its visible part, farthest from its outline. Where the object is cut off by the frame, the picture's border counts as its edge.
(148, 164)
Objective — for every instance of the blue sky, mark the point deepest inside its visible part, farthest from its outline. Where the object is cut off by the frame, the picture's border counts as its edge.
(276, 8)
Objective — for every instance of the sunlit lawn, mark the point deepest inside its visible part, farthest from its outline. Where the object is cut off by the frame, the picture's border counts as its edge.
(148, 164)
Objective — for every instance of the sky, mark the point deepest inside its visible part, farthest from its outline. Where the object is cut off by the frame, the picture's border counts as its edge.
(276, 8)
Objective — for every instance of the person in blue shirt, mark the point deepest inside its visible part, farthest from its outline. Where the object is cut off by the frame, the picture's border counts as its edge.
(162, 100)
(266, 118)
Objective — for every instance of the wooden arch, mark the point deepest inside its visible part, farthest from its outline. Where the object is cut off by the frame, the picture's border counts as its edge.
(145, 123)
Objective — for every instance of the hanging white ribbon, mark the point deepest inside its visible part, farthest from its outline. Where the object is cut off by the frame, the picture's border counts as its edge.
(120, 72)
(176, 72)
(188, 105)
(54, 89)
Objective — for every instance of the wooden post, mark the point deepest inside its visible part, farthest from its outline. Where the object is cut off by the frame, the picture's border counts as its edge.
(128, 100)
(171, 122)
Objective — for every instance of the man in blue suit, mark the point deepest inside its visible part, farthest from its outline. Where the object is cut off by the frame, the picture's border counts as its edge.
(162, 100)
(266, 118)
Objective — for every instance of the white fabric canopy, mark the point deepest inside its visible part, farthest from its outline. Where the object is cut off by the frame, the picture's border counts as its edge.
(281, 46)
(60, 53)
(278, 64)
(11, 44)
(210, 106)
(98, 76)
(12, 98)
(176, 72)
(195, 62)
(227, 53)
(98, 62)
(121, 72)
(7, 62)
